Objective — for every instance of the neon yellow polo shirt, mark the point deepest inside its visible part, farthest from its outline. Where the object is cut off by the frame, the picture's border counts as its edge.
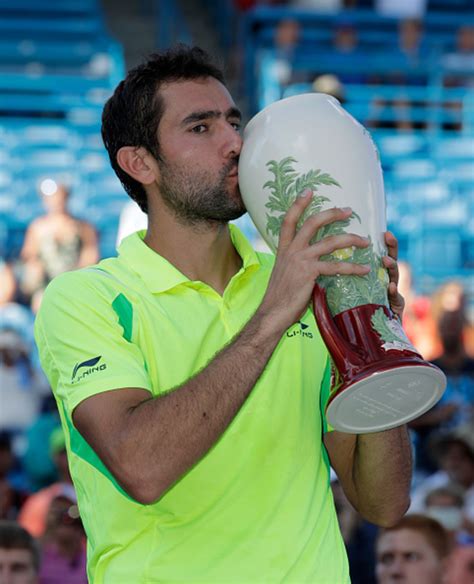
(258, 507)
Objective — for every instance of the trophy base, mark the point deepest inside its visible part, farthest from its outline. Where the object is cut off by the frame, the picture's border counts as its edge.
(385, 399)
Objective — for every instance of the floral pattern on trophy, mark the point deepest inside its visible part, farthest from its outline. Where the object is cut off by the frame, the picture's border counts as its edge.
(390, 331)
(342, 292)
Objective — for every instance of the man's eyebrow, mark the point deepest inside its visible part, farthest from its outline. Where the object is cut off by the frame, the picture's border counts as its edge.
(198, 116)
(233, 112)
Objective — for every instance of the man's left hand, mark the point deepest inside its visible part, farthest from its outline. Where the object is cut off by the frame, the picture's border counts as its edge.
(397, 303)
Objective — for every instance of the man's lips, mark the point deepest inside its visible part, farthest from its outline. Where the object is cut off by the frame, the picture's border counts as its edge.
(233, 169)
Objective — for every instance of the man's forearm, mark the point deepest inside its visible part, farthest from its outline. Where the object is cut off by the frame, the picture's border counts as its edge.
(166, 435)
(382, 475)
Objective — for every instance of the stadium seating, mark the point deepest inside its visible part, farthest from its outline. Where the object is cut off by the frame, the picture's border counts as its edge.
(419, 109)
(58, 65)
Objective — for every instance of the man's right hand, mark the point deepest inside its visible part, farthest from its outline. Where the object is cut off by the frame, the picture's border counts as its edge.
(298, 263)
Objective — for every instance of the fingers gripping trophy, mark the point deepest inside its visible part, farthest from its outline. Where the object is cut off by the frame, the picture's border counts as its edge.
(310, 142)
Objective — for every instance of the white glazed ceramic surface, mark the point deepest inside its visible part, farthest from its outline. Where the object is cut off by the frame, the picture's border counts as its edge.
(386, 399)
(314, 143)
(318, 133)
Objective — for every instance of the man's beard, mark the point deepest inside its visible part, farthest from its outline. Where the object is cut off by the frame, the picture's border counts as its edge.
(196, 197)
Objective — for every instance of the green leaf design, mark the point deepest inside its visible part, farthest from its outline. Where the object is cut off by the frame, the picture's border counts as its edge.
(286, 186)
(381, 323)
(274, 224)
(342, 292)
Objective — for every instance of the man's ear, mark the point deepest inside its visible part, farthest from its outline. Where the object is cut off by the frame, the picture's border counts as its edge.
(138, 163)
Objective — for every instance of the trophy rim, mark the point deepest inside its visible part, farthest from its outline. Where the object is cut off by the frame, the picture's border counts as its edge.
(342, 412)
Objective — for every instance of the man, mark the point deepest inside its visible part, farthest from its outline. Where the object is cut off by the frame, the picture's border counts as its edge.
(414, 551)
(194, 431)
(34, 512)
(454, 456)
(461, 565)
(63, 557)
(19, 555)
(57, 241)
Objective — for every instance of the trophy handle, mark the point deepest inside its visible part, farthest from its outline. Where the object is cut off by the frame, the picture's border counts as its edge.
(343, 353)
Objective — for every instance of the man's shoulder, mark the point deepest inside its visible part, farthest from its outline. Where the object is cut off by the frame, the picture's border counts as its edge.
(75, 284)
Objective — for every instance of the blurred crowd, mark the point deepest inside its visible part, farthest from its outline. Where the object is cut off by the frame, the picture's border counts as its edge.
(411, 48)
(37, 500)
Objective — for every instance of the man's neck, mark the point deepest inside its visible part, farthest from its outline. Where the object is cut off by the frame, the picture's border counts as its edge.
(203, 252)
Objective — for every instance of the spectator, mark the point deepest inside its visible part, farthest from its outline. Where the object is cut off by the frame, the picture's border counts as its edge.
(7, 283)
(459, 70)
(358, 535)
(459, 370)
(63, 558)
(456, 407)
(19, 555)
(276, 63)
(410, 33)
(287, 37)
(345, 52)
(345, 37)
(454, 456)
(20, 386)
(34, 512)
(414, 551)
(451, 297)
(11, 498)
(462, 59)
(37, 461)
(446, 505)
(56, 242)
(418, 322)
(461, 565)
(13, 315)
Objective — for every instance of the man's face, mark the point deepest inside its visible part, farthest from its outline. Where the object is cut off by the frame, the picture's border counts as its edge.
(405, 557)
(16, 567)
(199, 149)
(461, 569)
(457, 463)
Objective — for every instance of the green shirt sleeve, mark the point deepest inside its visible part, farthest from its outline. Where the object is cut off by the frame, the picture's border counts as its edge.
(324, 396)
(83, 331)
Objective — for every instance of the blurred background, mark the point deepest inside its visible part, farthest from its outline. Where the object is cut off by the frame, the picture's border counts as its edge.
(403, 68)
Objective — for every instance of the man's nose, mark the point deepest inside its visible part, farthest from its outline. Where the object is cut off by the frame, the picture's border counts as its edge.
(232, 143)
(7, 577)
(396, 569)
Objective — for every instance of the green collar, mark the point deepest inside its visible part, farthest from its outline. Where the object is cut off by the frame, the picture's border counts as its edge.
(159, 274)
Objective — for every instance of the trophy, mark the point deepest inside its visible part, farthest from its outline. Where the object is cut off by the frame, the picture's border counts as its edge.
(379, 381)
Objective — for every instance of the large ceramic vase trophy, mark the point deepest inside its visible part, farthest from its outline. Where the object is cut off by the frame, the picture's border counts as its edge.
(310, 142)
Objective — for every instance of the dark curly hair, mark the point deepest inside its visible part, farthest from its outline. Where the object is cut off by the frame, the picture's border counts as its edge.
(132, 115)
(14, 537)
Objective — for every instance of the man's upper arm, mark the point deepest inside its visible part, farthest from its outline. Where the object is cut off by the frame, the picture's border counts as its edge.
(84, 332)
